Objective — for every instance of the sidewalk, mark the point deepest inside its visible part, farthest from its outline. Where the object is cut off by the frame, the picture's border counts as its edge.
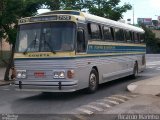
(146, 106)
(2, 82)
(150, 86)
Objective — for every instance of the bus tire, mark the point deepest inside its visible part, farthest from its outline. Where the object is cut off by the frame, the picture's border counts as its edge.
(93, 81)
(135, 70)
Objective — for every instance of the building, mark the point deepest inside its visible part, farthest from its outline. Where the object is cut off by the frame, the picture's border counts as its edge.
(148, 22)
(5, 46)
(145, 21)
(5, 50)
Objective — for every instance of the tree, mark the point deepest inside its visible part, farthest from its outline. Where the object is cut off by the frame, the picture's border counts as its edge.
(107, 8)
(104, 8)
(1, 30)
(11, 12)
(51, 4)
(63, 4)
(71, 4)
(151, 41)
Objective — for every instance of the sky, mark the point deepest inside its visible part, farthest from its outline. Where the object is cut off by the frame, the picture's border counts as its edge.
(142, 9)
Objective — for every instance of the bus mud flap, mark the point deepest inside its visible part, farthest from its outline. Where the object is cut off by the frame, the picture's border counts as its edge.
(20, 85)
(60, 86)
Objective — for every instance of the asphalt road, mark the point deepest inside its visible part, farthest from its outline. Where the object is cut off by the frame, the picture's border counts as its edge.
(40, 103)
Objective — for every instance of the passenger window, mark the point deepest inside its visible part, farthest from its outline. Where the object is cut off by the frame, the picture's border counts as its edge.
(112, 32)
(128, 36)
(107, 35)
(142, 38)
(136, 38)
(132, 37)
(95, 32)
(119, 35)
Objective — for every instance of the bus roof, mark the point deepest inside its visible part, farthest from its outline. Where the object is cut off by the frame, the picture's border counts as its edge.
(97, 19)
(94, 18)
(86, 17)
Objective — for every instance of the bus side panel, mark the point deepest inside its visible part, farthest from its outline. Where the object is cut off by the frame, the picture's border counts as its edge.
(115, 67)
(140, 59)
(109, 68)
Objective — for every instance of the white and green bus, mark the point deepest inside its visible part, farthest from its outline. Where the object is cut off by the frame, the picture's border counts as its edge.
(65, 51)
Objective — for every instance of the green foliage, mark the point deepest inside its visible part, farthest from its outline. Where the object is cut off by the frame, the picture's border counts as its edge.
(52, 4)
(69, 4)
(104, 8)
(107, 8)
(152, 42)
(12, 11)
(63, 4)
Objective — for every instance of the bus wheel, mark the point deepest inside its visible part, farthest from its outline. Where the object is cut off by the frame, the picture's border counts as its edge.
(93, 81)
(135, 70)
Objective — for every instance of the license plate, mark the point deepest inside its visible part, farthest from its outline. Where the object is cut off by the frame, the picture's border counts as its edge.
(39, 74)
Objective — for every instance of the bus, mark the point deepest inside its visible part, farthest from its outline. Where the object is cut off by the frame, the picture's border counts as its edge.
(67, 50)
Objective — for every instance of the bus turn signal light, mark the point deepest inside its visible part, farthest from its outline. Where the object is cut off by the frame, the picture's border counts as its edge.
(70, 74)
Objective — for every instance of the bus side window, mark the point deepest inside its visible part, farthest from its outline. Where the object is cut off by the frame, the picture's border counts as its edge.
(107, 35)
(89, 31)
(112, 32)
(119, 34)
(81, 46)
(136, 38)
(100, 30)
(128, 36)
(142, 38)
(132, 37)
(138, 35)
(95, 32)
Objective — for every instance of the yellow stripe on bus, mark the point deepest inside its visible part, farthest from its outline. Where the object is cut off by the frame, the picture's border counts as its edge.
(114, 43)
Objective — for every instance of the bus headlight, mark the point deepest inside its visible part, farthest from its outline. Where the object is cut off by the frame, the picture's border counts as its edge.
(21, 74)
(59, 74)
(24, 75)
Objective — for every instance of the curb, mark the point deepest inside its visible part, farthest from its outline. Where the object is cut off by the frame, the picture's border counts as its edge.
(149, 86)
(144, 89)
(131, 87)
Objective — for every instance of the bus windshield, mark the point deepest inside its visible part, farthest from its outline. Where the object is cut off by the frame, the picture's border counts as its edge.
(46, 37)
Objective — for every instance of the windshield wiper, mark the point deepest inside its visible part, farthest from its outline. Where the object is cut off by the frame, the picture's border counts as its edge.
(49, 47)
(34, 41)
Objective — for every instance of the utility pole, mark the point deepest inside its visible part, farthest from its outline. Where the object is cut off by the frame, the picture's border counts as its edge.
(133, 14)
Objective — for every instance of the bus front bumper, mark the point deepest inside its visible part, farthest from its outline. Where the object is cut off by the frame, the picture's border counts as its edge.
(47, 86)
